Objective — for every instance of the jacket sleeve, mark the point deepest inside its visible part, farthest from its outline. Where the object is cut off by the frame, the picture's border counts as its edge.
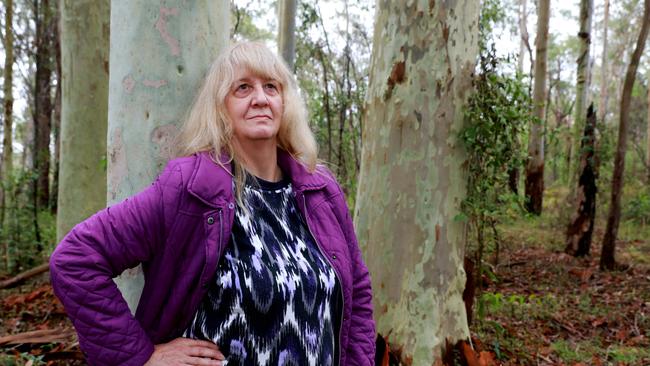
(95, 251)
(361, 343)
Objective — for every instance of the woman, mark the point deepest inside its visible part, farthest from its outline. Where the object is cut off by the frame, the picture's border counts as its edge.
(247, 245)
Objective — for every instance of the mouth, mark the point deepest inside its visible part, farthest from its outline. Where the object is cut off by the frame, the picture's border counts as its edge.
(260, 116)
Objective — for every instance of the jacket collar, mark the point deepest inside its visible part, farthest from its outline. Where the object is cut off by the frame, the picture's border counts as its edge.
(212, 183)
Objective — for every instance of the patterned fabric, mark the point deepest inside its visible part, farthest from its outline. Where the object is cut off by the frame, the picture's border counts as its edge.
(275, 299)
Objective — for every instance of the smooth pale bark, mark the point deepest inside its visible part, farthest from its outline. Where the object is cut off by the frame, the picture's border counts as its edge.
(84, 109)
(607, 259)
(602, 104)
(43, 102)
(647, 149)
(535, 164)
(412, 178)
(287, 30)
(582, 86)
(523, 39)
(160, 52)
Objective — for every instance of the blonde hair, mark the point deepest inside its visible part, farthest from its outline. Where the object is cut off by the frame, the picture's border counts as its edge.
(207, 126)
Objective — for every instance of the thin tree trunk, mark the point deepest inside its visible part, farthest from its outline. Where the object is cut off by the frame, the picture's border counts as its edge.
(647, 149)
(56, 116)
(328, 111)
(523, 39)
(607, 258)
(412, 177)
(602, 105)
(581, 228)
(287, 31)
(535, 165)
(42, 102)
(7, 156)
(582, 87)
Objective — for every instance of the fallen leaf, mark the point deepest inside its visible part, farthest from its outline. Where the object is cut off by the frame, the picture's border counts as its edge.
(486, 358)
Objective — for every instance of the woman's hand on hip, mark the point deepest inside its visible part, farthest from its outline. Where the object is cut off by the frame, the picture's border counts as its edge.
(186, 352)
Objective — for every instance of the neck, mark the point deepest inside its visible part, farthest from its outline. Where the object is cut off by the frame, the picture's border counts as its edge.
(259, 158)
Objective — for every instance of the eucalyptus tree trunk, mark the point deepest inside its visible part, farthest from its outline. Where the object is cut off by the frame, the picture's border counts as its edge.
(647, 149)
(287, 30)
(84, 110)
(602, 104)
(56, 115)
(581, 226)
(160, 52)
(523, 38)
(7, 155)
(582, 87)
(43, 102)
(535, 165)
(607, 259)
(412, 178)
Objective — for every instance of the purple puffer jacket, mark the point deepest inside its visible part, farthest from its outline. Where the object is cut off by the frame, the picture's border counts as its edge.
(178, 228)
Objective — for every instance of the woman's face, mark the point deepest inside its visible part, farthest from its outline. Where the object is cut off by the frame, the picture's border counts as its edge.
(254, 105)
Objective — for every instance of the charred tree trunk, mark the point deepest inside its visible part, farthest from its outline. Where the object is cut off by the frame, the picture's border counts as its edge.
(535, 165)
(607, 260)
(582, 87)
(581, 228)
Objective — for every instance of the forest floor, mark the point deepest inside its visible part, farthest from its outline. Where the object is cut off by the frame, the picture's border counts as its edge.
(543, 307)
(539, 305)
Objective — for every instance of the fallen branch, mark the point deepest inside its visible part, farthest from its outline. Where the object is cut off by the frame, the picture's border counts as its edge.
(38, 336)
(25, 275)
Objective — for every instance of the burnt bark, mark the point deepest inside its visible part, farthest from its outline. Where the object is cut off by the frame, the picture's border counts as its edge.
(581, 228)
(607, 258)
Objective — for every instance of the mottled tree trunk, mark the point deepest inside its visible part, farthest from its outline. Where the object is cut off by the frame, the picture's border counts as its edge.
(287, 30)
(535, 165)
(647, 149)
(42, 103)
(607, 260)
(602, 104)
(84, 110)
(159, 55)
(582, 88)
(412, 177)
(581, 227)
(7, 152)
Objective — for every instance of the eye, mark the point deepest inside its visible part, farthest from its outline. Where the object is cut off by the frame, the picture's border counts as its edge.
(241, 89)
(272, 87)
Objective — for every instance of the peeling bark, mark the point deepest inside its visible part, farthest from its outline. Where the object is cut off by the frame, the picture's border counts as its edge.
(412, 176)
(158, 58)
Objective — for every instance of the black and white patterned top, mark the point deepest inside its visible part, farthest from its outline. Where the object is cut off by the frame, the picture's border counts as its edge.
(275, 299)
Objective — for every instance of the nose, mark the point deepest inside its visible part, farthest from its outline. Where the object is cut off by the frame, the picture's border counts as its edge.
(259, 97)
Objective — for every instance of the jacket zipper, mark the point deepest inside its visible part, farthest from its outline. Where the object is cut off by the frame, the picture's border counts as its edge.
(322, 252)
